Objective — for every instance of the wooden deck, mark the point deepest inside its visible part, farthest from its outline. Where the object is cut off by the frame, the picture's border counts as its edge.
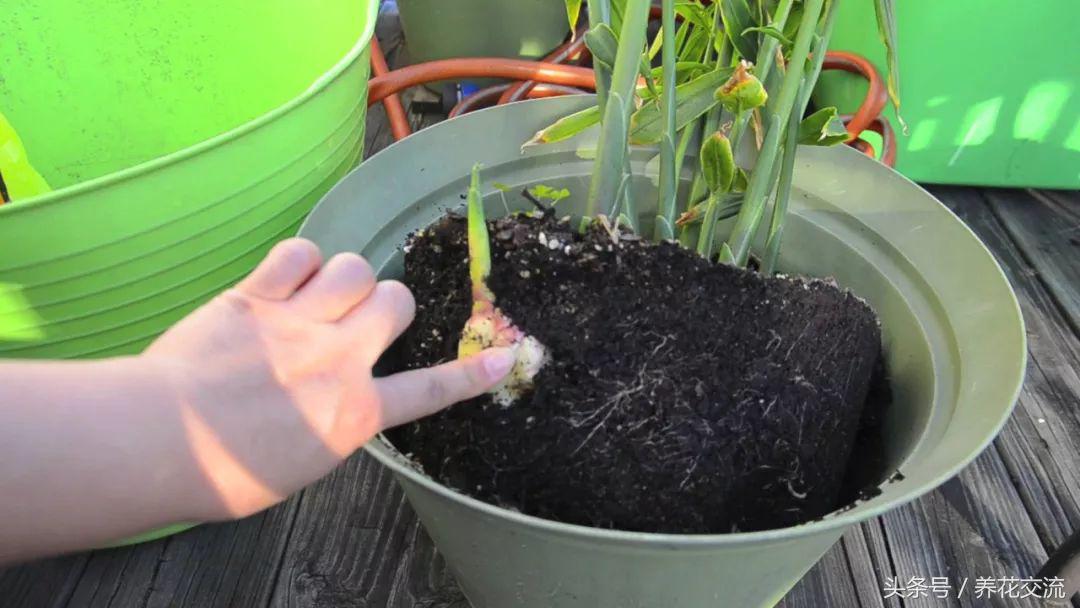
(351, 539)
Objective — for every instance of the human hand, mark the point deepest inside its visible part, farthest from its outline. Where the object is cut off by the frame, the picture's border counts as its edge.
(274, 377)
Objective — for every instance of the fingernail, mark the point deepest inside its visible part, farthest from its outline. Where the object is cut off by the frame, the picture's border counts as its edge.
(498, 362)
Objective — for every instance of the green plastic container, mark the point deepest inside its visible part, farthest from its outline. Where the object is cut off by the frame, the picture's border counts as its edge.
(182, 140)
(990, 90)
(521, 29)
(954, 343)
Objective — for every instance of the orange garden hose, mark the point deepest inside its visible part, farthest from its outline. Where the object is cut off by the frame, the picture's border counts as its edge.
(478, 67)
(876, 94)
(567, 52)
(399, 120)
(550, 77)
(494, 95)
(888, 141)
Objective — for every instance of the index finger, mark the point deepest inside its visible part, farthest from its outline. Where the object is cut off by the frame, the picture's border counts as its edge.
(406, 396)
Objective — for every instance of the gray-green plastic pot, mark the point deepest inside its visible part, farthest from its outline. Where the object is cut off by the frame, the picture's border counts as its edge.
(953, 334)
(520, 29)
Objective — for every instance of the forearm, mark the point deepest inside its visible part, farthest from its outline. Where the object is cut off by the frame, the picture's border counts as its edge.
(91, 452)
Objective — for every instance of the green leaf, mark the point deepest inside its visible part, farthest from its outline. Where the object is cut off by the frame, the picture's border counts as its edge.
(695, 14)
(646, 72)
(554, 195)
(737, 18)
(664, 231)
(729, 206)
(657, 44)
(692, 99)
(771, 32)
(740, 181)
(791, 26)
(689, 235)
(602, 43)
(501, 186)
(726, 255)
(583, 225)
(822, 128)
(479, 247)
(684, 70)
(697, 43)
(567, 126)
(573, 11)
(618, 10)
(886, 22)
(717, 163)
(680, 36)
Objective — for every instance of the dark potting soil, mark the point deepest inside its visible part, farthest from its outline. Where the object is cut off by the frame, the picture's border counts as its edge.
(681, 396)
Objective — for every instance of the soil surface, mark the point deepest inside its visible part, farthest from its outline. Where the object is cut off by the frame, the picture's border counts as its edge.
(681, 396)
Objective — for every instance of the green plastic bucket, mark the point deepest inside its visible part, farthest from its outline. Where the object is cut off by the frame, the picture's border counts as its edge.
(953, 336)
(182, 139)
(990, 90)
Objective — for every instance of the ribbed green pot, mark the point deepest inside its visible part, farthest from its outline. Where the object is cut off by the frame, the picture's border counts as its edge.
(953, 337)
(182, 139)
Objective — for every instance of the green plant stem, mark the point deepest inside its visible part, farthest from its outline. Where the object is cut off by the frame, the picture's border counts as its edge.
(783, 195)
(708, 227)
(611, 153)
(763, 63)
(766, 56)
(712, 117)
(820, 48)
(787, 168)
(600, 12)
(738, 126)
(759, 188)
(666, 206)
(684, 144)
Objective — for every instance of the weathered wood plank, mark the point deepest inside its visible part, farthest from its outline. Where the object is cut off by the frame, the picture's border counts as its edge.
(230, 564)
(222, 564)
(870, 562)
(973, 526)
(829, 583)
(47, 583)
(1041, 444)
(1045, 226)
(357, 542)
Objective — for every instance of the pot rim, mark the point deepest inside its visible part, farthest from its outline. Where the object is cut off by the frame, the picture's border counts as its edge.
(846, 516)
(316, 87)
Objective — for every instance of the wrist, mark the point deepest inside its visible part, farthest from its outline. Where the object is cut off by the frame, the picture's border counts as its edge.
(182, 480)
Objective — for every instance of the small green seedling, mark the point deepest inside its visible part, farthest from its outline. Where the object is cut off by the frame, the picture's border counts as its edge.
(488, 326)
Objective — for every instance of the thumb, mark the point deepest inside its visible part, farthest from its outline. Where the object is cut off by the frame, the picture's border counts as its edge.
(406, 396)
